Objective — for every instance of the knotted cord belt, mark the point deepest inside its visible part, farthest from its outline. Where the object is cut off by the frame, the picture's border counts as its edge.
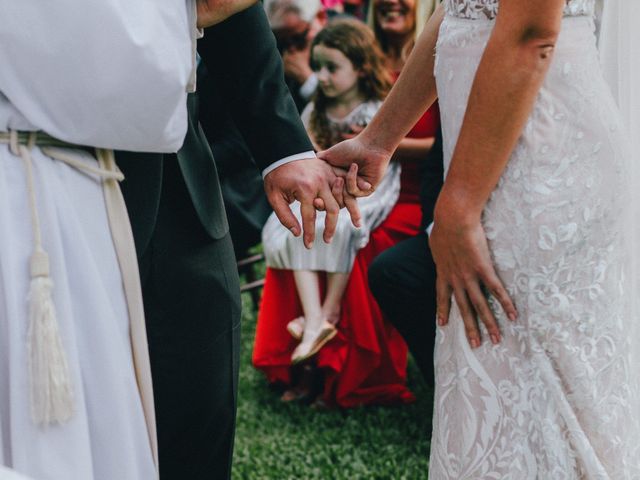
(48, 365)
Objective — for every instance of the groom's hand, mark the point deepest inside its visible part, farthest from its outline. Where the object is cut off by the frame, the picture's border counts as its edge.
(211, 12)
(315, 185)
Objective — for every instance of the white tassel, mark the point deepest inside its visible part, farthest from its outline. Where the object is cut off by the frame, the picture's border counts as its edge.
(51, 392)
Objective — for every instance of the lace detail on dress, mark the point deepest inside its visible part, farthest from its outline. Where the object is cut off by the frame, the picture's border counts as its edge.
(488, 9)
(557, 398)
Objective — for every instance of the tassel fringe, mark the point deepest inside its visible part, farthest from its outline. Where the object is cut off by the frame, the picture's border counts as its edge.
(51, 392)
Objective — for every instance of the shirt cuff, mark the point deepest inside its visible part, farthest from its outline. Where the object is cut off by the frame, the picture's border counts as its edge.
(196, 33)
(290, 158)
(308, 88)
(429, 229)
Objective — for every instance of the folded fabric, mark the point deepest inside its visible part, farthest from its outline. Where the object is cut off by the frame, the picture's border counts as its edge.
(105, 73)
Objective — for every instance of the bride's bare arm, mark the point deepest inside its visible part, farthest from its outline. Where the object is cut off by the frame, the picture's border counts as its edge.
(412, 94)
(510, 74)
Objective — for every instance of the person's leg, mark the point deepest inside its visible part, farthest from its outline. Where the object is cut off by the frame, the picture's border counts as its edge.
(308, 288)
(317, 330)
(191, 295)
(336, 286)
(402, 279)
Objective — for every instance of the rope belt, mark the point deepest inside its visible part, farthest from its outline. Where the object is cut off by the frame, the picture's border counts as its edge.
(51, 389)
(21, 144)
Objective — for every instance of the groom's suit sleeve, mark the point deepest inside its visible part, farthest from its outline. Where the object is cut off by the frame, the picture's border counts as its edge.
(241, 53)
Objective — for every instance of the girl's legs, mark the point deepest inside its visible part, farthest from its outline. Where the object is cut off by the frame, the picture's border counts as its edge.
(320, 317)
(316, 311)
(317, 324)
(336, 286)
(308, 287)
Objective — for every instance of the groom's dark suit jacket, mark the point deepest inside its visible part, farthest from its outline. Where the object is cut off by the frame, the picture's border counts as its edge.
(243, 192)
(187, 265)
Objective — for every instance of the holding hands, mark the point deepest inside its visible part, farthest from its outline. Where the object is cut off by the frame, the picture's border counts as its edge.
(316, 186)
(342, 173)
(370, 164)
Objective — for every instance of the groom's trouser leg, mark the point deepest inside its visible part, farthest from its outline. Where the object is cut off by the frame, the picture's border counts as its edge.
(192, 304)
(402, 279)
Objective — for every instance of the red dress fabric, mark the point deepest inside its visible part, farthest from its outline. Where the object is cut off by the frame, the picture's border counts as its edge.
(365, 363)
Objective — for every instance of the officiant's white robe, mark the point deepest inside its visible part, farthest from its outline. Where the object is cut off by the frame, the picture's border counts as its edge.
(100, 73)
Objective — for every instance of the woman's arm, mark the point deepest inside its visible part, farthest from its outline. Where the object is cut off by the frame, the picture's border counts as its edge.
(409, 98)
(413, 93)
(413, 149)
(511, 72)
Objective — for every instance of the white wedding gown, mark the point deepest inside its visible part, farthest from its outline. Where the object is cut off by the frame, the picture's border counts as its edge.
(557, 398)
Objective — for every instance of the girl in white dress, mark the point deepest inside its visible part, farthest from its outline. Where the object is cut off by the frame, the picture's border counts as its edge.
(535, 380)
(352, 83)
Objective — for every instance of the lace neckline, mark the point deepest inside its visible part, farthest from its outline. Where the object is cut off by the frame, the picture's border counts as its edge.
(488, 9)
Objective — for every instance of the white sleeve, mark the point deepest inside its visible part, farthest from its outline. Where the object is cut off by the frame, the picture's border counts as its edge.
(290, 158)
(104, 73)
(196, 33)
(305, 116)
(308, 88)
(429, 229)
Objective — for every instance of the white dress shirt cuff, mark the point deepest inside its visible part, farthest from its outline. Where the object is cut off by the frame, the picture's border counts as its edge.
(308, 88)
(429, 229)
(290, 158)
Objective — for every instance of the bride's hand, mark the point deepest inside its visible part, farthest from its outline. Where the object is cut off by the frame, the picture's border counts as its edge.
(464, 266)
(371, 164)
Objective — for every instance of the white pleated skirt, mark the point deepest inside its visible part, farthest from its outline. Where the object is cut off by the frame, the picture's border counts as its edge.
(284, 251)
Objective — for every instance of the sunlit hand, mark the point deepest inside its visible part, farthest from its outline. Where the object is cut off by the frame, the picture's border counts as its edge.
(211, 12)
(316, 186)
(464, 267)
(371, 164)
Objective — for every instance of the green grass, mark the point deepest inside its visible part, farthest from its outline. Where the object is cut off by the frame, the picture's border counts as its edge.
(292, 441)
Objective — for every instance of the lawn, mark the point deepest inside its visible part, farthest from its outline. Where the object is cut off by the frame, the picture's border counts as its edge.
(282, 441)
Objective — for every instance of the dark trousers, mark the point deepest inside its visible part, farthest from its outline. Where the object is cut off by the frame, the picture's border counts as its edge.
(192, 304)
(402, 280)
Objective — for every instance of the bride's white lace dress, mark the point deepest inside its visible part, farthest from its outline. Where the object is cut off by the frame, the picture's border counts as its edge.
(556, 398)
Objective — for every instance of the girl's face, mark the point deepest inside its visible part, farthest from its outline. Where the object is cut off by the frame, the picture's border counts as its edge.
(336, 75)
(396, 17)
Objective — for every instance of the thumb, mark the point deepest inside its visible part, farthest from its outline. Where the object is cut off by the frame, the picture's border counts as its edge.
(324, 154)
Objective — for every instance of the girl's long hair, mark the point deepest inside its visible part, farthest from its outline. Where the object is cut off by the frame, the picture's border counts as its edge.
(356, 42)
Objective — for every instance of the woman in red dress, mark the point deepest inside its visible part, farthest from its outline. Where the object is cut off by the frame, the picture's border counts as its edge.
(365, 363)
